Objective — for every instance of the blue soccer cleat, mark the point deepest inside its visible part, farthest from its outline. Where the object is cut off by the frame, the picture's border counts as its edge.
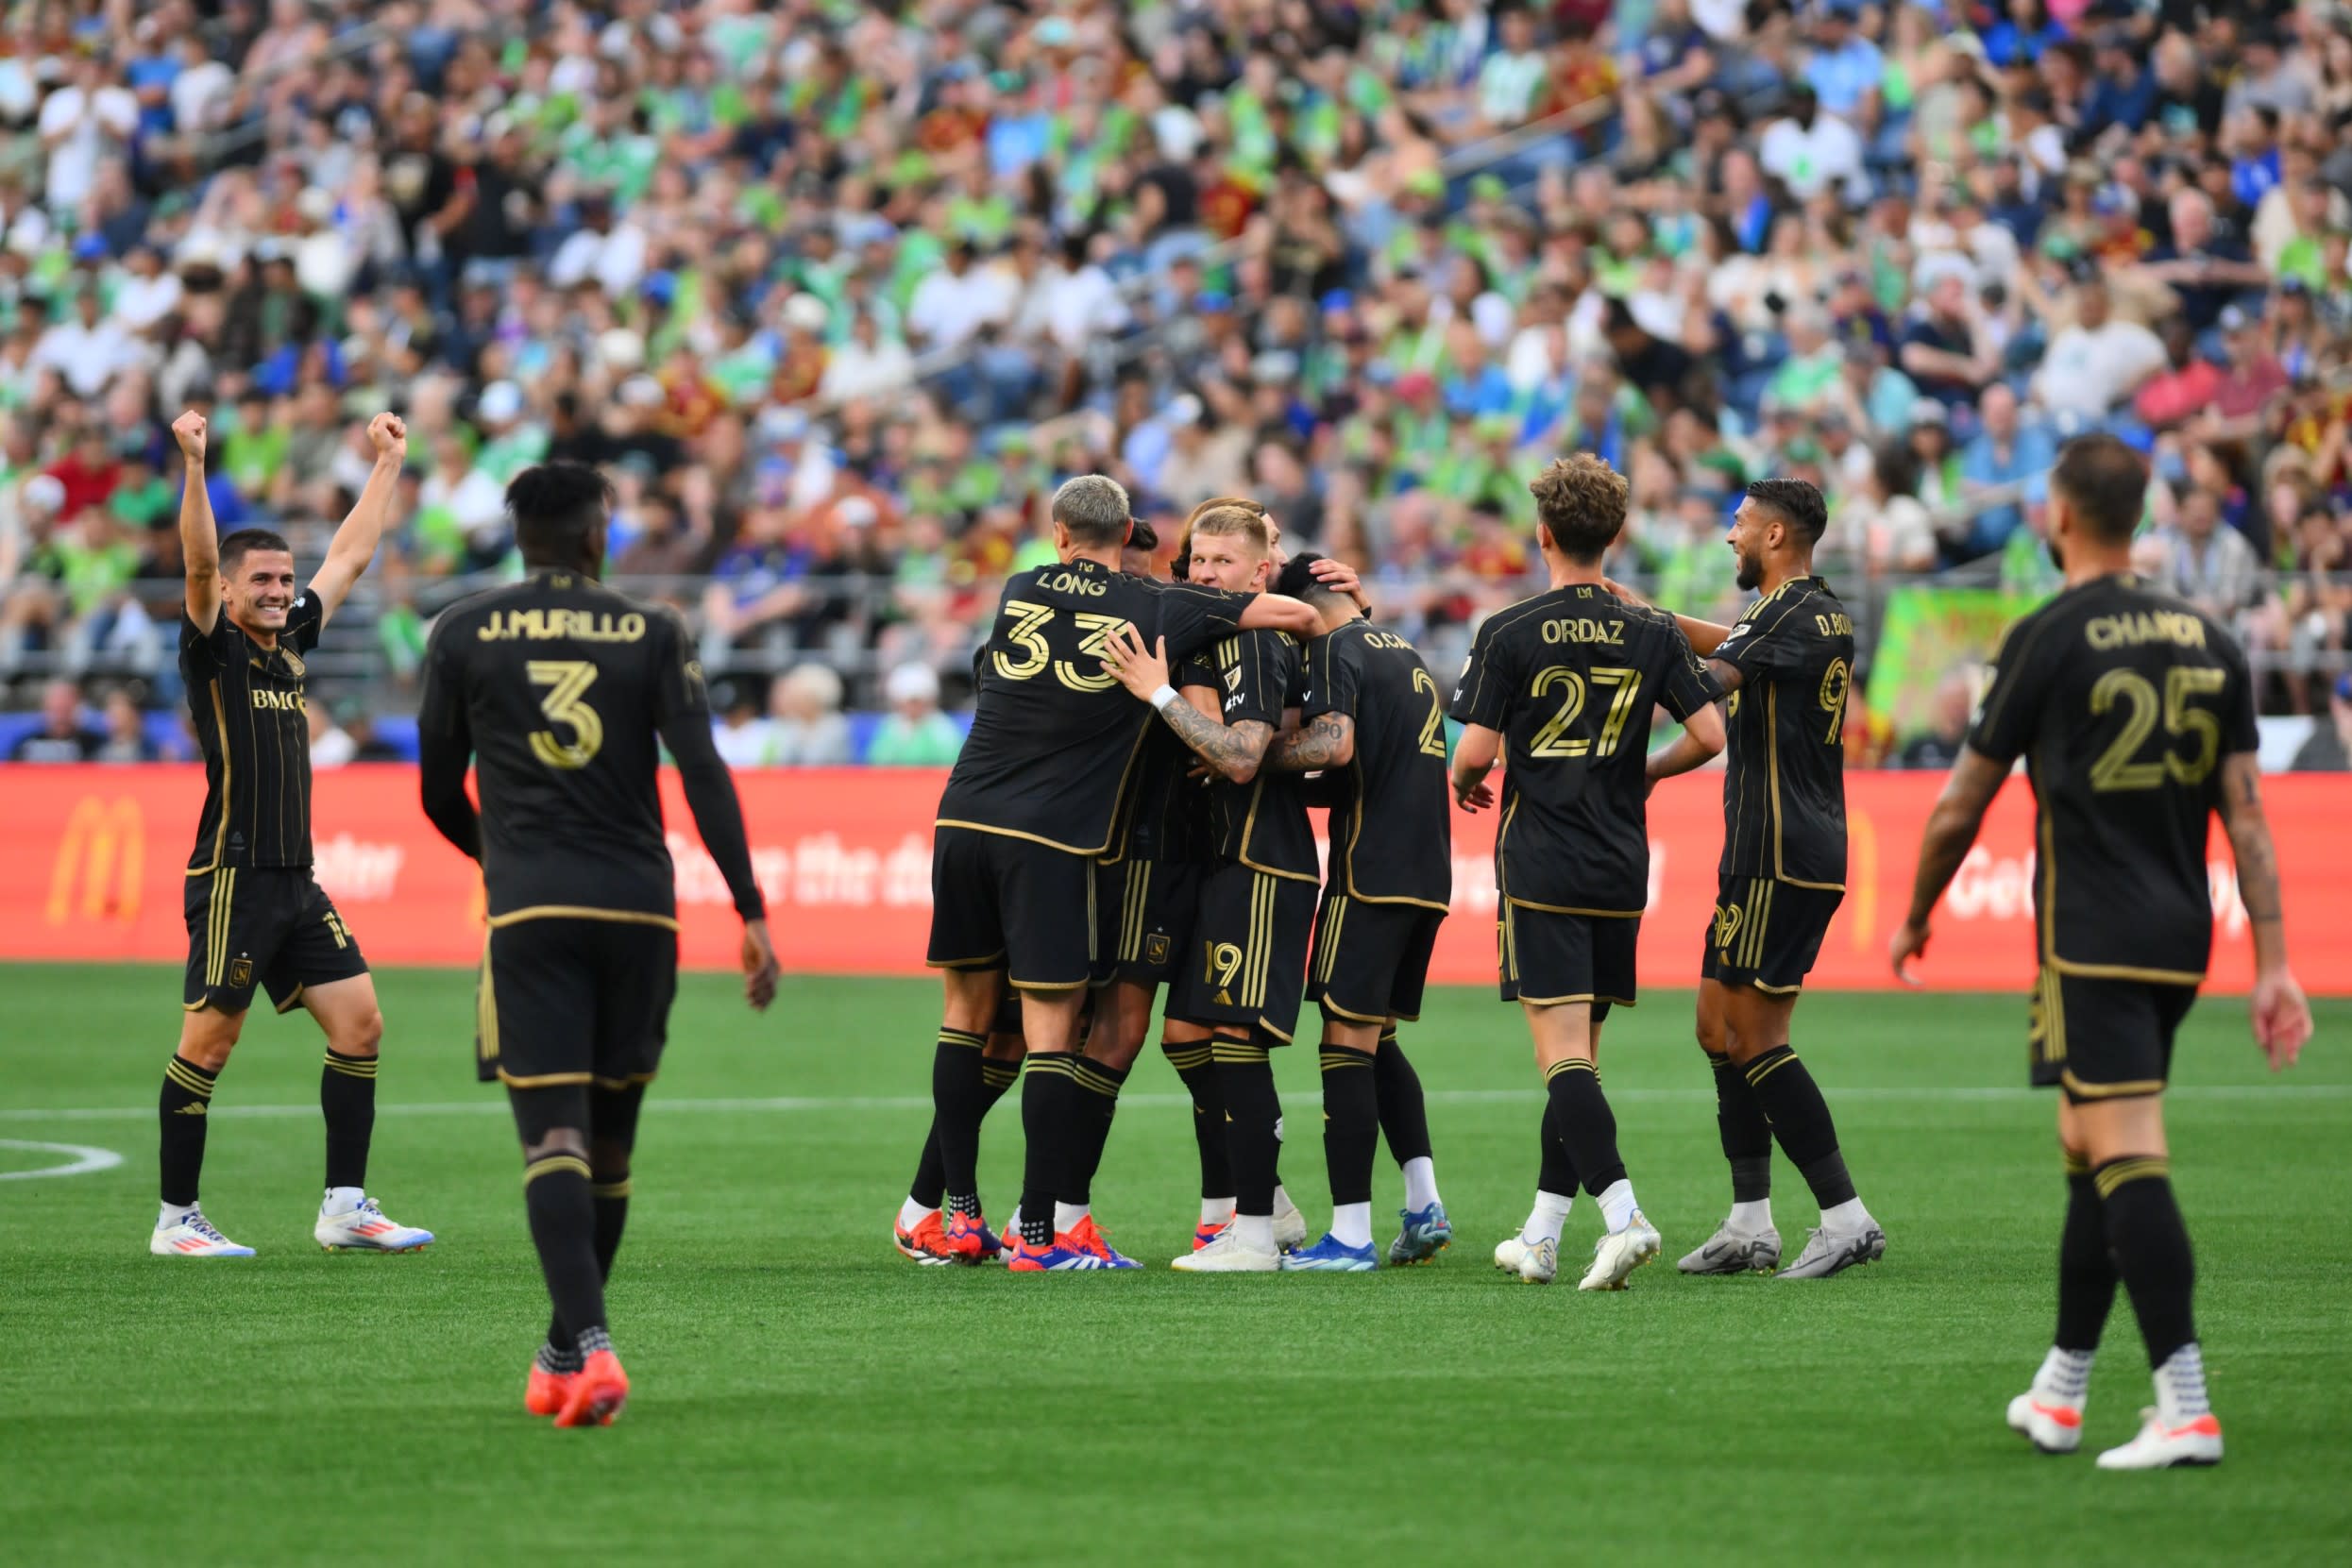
(1427, 1233)
(1062, 1254)
(1329, 1256)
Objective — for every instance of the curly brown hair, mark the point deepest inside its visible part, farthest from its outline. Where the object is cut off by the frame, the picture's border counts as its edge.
(1582, 500)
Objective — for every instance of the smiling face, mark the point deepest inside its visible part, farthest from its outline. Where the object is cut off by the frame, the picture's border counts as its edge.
(258, 588)
(1231, 561)
(1752, 529)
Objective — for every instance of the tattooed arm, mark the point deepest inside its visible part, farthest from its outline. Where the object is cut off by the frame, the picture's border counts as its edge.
(1328, 740)
(2282, 1020)
(1232, 751)
(1951, 828)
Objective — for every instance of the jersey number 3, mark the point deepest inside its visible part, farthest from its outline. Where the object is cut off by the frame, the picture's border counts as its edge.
(568, 679)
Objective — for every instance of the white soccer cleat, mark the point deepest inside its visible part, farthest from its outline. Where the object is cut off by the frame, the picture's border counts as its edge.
(1290, 1226)
(2161, 1447)
(1227, 1254)
(1620, 1252)
(365, 1229)
(194, 1237)
(1735, 1252)
(1509, 1252)
(1540, 1263)
(2051, 1425)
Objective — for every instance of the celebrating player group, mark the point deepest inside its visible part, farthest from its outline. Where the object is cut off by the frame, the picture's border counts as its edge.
(1131, 813)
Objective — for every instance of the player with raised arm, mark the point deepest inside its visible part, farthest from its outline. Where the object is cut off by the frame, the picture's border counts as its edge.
(256, 914)
(561, 693)
(1243, 975)
(1031, 805)
(1372, 722)
(1567, 681)
(1788, 663)
(2135, 716)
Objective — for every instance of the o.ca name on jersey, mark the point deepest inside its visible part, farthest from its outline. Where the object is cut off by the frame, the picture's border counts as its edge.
(563, 625)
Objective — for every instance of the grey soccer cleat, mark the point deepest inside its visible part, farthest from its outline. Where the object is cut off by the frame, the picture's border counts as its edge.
(1735, 1252)
(1825, 1254)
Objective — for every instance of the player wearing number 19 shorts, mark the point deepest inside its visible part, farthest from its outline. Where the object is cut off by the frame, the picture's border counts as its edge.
(1032, 802)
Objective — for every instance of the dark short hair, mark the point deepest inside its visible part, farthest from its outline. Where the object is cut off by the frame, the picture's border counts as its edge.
(2105, 483)
(1297, 580)
(555, 505)
(247, 540)
(1582, 500)
(1798, 502)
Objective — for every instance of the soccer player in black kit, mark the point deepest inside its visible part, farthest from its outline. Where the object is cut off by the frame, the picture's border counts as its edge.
(1372, 721)
(255, 914)
(2135, 714)
(1567, 681)
(1031, 803)
(1788, 663)
(563, 692)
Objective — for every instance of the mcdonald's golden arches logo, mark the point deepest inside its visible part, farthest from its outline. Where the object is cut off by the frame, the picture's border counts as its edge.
(100, 863)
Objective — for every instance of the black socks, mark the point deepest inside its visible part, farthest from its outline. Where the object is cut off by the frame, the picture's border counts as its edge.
(1199, 1075)
(1351, 1122)
(1404, 1110)
(1246, 1076)
(2085, 1270)
(564, 1228)
(347, 1096)
(1094, 1105)
(959, 1099)
(181, 1111)
(1587, 1126)
(929, 1188)
(1801, 1122)
(2149, 1245)
(1746, 1135)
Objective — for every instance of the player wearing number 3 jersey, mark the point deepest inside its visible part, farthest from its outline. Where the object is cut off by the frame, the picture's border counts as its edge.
(1033, 799)
(564, 693)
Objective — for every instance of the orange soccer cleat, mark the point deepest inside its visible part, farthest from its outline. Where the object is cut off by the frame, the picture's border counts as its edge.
(596, 1394)
(545, 1391)
(927, 1243)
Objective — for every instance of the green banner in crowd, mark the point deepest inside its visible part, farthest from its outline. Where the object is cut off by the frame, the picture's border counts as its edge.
(1929, 635)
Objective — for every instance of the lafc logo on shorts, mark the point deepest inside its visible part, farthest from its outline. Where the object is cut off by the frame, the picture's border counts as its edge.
(1727, 918)
(1156, 949)
(240, 972)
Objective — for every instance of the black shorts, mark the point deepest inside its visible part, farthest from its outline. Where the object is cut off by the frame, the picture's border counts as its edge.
(1142, 920)
(1001, 902)
(1549, 959)
(268, 926)
(1371, 959)
(566, 1001)
(2103, 1039)
(1247, 963)
(1766, 933)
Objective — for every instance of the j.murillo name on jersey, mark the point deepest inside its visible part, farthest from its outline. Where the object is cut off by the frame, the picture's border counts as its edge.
(584, 626)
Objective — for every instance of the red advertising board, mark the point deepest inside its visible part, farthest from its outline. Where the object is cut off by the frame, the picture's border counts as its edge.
(90, 865)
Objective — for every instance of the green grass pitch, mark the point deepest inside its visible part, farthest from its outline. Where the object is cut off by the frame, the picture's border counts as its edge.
(802, 1394)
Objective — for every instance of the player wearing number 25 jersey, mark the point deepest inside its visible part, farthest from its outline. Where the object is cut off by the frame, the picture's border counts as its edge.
(2135, 714)
(562, 693)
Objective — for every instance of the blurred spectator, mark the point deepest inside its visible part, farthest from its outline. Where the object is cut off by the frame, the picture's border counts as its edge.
(735, 726)
(2209, 565)
(914, 733)
(63, 736)
(805, 728)
(2329, 750)
(331, 746)
(126, 731)
(1939, 748)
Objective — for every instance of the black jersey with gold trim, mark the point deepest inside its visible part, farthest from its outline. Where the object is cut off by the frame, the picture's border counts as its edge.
(1261, 825)
(1392, 841)
(252, 723)
(1569, 679)
(1784, 781)
(2124, 702)
(1055, 738)
(561, 684)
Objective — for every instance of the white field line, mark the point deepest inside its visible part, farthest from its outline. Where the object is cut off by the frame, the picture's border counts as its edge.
(492, 1104)
(80, 1159)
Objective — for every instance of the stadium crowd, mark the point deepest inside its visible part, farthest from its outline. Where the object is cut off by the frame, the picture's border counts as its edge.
(838, 293)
